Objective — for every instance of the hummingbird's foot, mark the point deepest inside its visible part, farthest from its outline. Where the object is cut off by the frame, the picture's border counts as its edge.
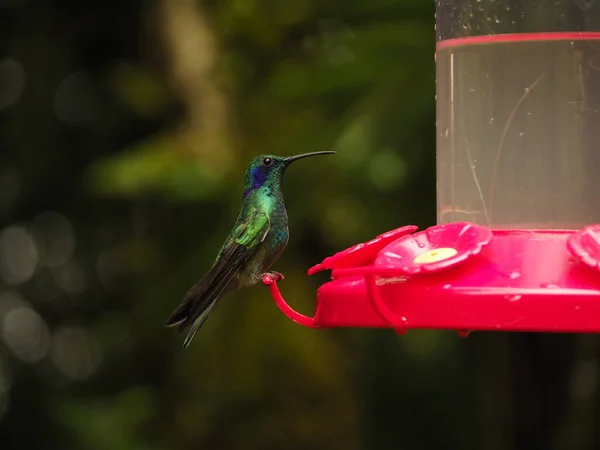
(278, 276)
(271, 277)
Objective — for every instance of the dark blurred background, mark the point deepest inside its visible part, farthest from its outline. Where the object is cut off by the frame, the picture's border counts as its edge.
(125, 127)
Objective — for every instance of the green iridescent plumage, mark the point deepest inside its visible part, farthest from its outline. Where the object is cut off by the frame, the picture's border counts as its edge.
(257, 240)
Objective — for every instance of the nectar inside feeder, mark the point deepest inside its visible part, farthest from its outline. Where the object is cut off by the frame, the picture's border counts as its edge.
(517, 241)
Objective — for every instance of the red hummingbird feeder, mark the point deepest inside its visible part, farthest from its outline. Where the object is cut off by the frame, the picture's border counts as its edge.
(517, 244)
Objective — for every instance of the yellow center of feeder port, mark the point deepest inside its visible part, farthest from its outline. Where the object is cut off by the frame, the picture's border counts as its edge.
(438, 254)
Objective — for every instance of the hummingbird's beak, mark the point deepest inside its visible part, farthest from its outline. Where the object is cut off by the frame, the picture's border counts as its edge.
(291, 159)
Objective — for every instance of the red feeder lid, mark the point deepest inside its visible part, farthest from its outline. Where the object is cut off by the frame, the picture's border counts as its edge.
(462, 276)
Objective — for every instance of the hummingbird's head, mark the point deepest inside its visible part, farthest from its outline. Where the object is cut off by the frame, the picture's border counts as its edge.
(268, 170)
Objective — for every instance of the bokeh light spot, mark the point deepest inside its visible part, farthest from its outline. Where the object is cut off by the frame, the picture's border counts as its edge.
(55, 238)
(12, 82)
(26, 334)
(70, 277)
(10, 185)
(75, 352)
(5, 379)
(107, 267)
(387, 170)
(9, 300)
(75, 101)
(18, 255)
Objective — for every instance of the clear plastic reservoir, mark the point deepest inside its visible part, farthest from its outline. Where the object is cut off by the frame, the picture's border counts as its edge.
(518, 112)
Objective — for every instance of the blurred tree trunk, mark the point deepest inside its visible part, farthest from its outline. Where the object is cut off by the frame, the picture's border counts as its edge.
(191, 51)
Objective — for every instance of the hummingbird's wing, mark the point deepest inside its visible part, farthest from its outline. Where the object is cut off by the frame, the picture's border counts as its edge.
(235, 253)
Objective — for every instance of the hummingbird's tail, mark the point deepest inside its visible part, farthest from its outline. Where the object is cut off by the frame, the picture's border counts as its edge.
(199, 301)
(202, 297)
(197, 324)
(179, 317)
(195, 309)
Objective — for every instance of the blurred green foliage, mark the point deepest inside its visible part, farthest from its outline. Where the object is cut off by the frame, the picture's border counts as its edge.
(134, 121)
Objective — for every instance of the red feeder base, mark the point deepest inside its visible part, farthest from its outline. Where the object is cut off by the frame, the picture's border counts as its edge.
(462, 277)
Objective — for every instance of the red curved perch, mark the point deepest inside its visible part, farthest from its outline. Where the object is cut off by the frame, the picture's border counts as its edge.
(270, 280)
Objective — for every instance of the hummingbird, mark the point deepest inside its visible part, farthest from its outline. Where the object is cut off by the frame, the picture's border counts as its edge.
(258, 238)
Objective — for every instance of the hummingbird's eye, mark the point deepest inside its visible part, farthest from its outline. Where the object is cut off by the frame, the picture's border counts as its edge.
(267, 161)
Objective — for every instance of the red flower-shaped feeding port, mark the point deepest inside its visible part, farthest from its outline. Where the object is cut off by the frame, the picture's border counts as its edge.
(436, 248)
(585, 246)
(361, 254)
